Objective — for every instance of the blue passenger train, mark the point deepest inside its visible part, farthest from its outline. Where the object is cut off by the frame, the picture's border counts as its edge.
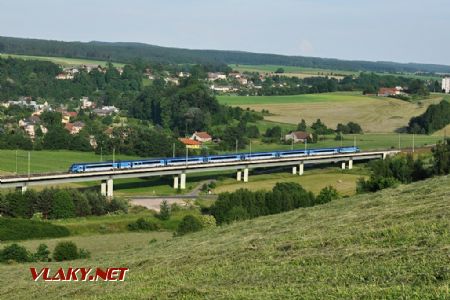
(193, 160)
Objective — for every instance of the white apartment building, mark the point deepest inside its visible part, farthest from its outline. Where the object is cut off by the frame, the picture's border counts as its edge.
(446, 84)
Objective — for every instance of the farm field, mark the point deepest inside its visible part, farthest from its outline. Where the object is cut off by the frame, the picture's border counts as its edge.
(374, 114)
(312, 180)
(64, 61)
(312, 72)
(47, 161)
(387, 245)
(366, 142)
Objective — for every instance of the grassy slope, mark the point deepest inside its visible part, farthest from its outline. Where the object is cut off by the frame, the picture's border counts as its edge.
(393, 244)
(47, 161)
(374, 114)
(61, 60)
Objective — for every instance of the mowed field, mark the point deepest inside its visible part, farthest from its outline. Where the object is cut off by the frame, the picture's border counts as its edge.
(64, 61)
(388, 245)
(313, 72)
(374, 114)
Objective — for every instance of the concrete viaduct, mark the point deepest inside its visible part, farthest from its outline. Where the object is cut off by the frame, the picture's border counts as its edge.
(181, 171)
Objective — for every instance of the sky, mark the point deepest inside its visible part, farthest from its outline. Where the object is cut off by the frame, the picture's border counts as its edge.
(376, 30)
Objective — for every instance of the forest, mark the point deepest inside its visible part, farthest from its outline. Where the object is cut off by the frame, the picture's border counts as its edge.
(129, 52)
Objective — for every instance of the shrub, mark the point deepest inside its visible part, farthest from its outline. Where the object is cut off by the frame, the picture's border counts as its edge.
(144, 225)
(63, 206)
(15, 252)
(118, 205)
(189, 224)
(326, 195)
(65, 251)
(164, 211)
(83, 253)
(22, 229)
(207, 221)
(42, 253)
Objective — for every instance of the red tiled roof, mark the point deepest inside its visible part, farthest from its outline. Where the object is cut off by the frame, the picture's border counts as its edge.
(202, 135)
(189, 142)
(300, 135)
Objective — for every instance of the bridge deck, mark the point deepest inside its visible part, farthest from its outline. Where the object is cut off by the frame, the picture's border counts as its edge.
(56, 178)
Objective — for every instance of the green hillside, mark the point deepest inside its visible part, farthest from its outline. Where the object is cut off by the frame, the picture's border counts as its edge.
(391, 245)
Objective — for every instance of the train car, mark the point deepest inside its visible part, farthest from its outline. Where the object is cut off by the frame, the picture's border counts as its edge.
(259, 155)
(93, 167)
(323, 151)
(222, 158)
(349, 150)
(177, 161)
(147, 163)
(292, 153)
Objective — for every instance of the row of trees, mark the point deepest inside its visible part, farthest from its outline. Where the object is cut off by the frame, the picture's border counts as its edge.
(436, 117)
(244, 204)
(405, 169)
(58, 204)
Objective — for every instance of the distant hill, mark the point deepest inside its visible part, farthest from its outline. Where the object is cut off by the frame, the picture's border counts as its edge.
(127, 52)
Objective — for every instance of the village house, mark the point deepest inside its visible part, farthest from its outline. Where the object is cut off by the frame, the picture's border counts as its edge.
(74, 128)
(190, 144)
(235, 75)
(216, 76)
(298, 136)
(29, 126)
(223, 89)
(106, 111)
(85, 103)
(172, 80)
(183, 74)
(386, 92)
(64, 76)
(243, 81)
(201, 136)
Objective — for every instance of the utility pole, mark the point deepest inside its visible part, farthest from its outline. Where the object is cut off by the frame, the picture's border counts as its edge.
(173, 150)
(187, 154)
(399, 143)
(292, 146)
(101, 154)
(306, 144)
(236, 146)
(413, 145)
(250, 147)
(29, 163)
(354, 141)
(114, 156)
(16, 162)
(340, 135)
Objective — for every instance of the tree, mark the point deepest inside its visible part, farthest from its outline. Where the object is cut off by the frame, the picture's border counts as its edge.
(279, 71)
(326, 195)
(441, 154)
(164, 210)
(302, 125)
(62, 205)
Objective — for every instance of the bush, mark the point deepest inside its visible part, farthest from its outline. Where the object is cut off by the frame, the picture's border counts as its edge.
(65, 251)
(118, 204)
(15, 252)
(189, 224)
(164, 211)
(144, 225)
(207, 221)
(42, 253)
(22, 229)
(63, 206)
(326, 195)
